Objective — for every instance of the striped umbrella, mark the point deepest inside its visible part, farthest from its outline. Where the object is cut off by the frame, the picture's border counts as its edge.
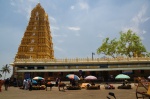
(38, 78)
(73, 76)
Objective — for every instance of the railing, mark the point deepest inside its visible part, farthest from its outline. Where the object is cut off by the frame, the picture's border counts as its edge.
(76, 60)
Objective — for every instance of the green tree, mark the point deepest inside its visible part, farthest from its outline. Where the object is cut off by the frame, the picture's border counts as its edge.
(108, 48)
(5, 69)
(129, 44)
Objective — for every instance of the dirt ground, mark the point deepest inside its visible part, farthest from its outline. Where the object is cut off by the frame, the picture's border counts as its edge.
(16, 93)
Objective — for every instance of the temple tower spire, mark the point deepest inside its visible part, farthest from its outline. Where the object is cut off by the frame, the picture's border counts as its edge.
(37, 40)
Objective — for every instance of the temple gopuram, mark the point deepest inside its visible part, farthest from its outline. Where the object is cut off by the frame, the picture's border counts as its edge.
(37, 40)
(35, 56)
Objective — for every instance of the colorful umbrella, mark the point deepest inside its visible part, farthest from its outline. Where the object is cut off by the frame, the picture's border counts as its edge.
(90, 78)
(33, 81)
(38, 78)
(73, 76)
(122, 76)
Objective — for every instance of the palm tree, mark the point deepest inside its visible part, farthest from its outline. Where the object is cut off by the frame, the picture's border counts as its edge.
(5, 69)
(0, 75)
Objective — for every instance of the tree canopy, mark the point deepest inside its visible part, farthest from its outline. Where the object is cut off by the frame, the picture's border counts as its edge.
(129, 44)
(5, 69)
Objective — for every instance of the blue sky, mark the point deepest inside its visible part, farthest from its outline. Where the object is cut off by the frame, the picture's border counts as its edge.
(78, 26)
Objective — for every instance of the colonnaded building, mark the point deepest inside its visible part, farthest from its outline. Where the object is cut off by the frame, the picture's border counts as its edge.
(35, 56)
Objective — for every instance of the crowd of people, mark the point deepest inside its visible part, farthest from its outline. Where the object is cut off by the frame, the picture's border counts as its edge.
(27, 84)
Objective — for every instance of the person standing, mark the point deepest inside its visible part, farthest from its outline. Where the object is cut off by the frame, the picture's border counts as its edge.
(1, 83)
(30, 84)
(57, 80)
(26, 85)
(6, 84)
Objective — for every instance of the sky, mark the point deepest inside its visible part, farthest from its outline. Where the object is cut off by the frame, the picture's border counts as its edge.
(78, 27)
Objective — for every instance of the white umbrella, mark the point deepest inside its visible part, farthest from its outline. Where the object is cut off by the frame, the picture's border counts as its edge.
(90, 78)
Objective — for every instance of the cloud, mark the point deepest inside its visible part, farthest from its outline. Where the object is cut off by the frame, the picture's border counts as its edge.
(72, 7)
(84, 5)
(74, 28)
(28, 11)
(52, 19)
(12, 3)
(58, 48)
(100, 35)
(144, 32)
(77, 34)
(137, 20)
(140, 17)
(56, 35)
(60, 41)
(23, 7)
(54, 28)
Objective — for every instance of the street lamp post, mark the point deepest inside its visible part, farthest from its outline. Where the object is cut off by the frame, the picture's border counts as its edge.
(92, 55)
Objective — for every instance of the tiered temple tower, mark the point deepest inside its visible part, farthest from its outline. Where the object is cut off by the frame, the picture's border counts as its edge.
(37, 40)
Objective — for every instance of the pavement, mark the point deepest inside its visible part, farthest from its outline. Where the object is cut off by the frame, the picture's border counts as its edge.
(16, 93)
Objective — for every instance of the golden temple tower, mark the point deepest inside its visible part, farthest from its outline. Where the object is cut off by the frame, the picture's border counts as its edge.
(37, 40)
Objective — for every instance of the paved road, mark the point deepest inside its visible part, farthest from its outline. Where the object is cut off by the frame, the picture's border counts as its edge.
(16, 93)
